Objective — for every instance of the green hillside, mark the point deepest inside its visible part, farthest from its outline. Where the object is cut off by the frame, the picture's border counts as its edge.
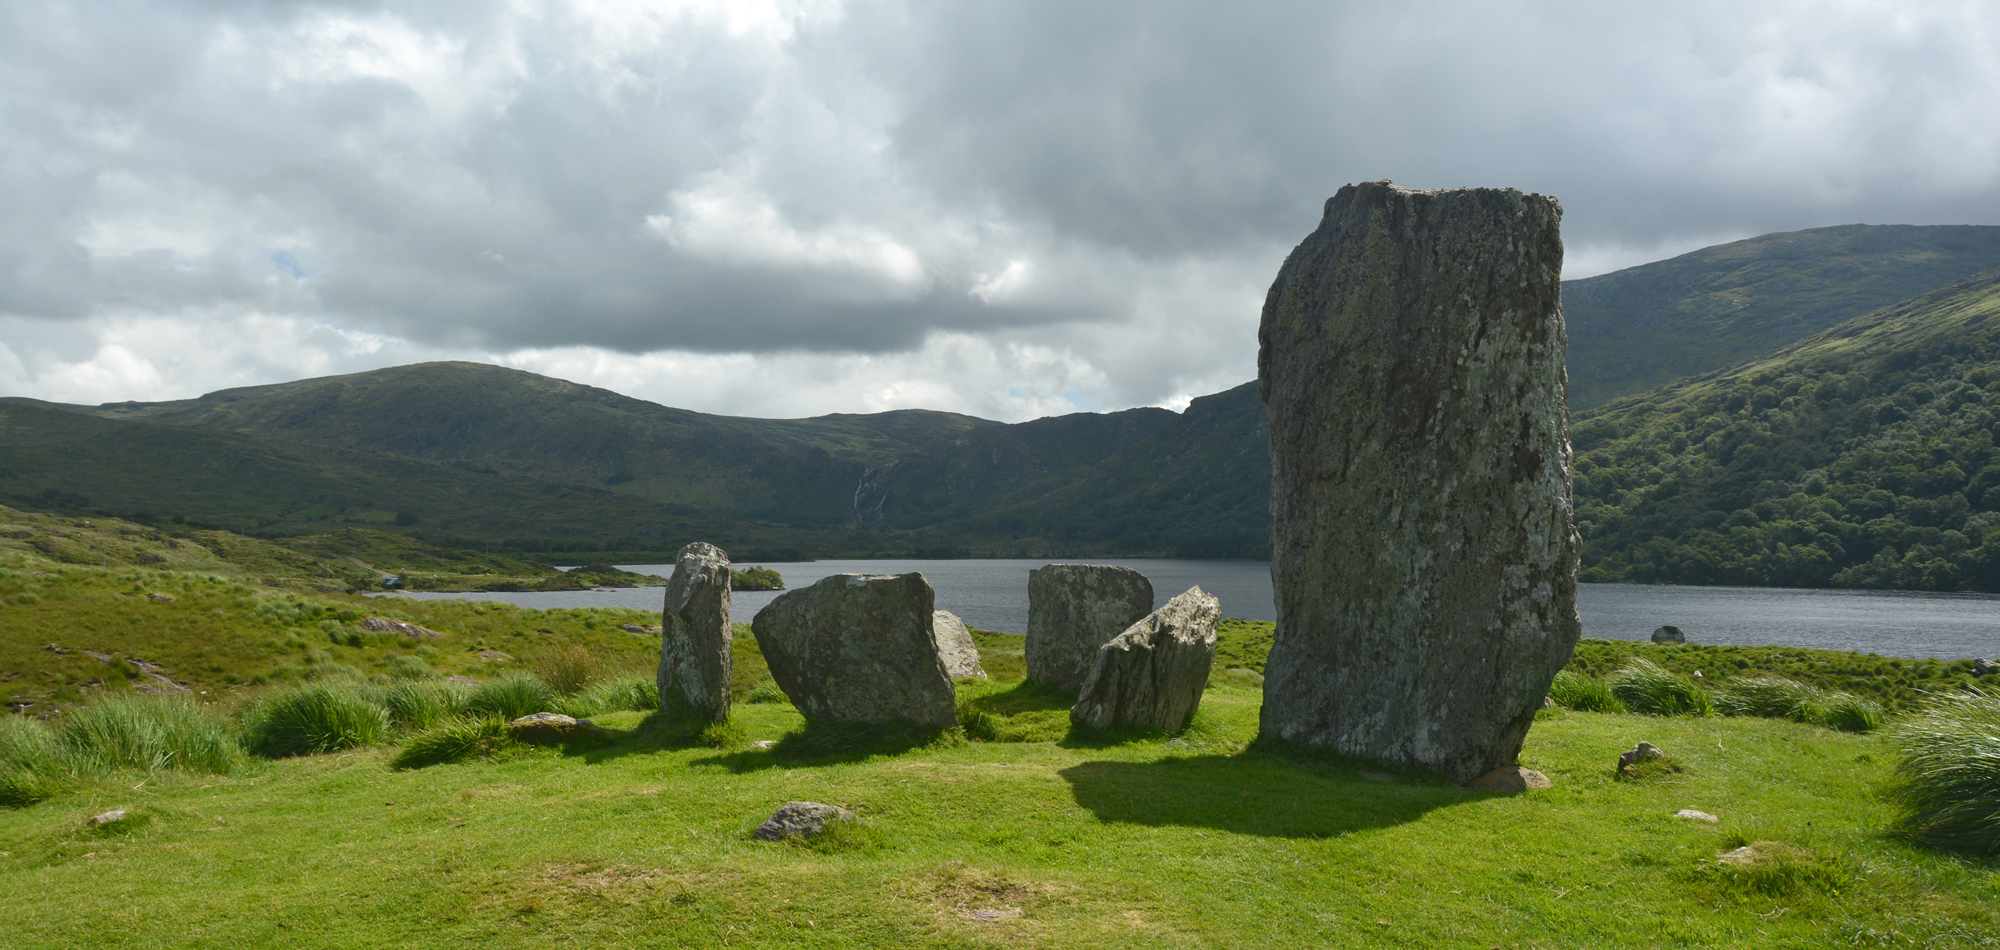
(1644, 326)
(1862, 456)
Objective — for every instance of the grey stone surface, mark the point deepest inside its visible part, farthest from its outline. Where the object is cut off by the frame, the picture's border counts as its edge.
(1667, 633)
(1423, 557)
(1152, 674)
(1643, 752)
(859, 647)
(1075, 608)
(695, 660)
(800, 819)
(1984, 667)
(106, 818)
(553, 727)
(955, 646)
(1696, 815)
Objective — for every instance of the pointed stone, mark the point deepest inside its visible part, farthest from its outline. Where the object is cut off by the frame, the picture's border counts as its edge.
(1154, 673)
(955, 646)
(859, 647)
(1075, 608)
(1423, 557)
(695, 655)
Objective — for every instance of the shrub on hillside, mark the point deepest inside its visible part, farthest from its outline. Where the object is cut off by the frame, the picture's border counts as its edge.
(1572, 690)
(509, 697)
(1643, 686)
(1948, 776)
(322, 717)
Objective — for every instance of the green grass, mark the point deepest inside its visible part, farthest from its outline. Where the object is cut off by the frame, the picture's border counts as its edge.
(1573, 690)
(144, 735)
(510, 697)
(1644, 686)
(1948, 775)
(321, 717)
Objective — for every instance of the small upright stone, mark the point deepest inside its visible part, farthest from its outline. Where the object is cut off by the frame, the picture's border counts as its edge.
(859, 647)
(1075, 608)
(1153, 674)
(955, 646)
(1423, 557)
(695, 660)
(1667, 633)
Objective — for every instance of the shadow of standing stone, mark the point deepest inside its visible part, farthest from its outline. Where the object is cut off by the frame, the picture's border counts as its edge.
(1154, 673)
(859, 648)
(1422, 550)
(1075, 608)
(695, 659)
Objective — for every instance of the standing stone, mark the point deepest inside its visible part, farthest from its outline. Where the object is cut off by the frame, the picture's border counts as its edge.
(859, 647)
(1153, 674)
(1423, 555)
(955, 646)
(695, 660)
(1075, 608)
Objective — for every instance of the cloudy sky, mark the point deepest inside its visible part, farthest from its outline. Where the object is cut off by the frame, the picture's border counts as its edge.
(791, 208)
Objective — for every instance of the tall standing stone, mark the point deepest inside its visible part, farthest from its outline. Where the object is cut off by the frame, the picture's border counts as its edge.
(1154, 673)
(1075, 608)
(1423, 556)
(695, 660)
(859, 647)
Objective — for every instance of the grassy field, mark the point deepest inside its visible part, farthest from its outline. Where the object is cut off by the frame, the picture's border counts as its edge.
(1065, 843)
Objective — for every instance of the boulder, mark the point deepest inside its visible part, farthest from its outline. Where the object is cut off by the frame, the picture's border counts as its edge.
(1075, 608)
(553, 727)
(1643, 752)
(695, 660)
(1668, 634)
(1984, 667)
(955, 646)
(1423, 555)
(385, 625)
(800, 820)
(1153, 673)
(1693, 815)
(859, 647)
(1510, 779)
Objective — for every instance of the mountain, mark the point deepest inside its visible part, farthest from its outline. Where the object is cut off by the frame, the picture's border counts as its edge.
(1861, 456)
(1644, 326)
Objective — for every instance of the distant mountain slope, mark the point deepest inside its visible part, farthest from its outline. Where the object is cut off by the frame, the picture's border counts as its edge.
(1644, 326)
(1862, 456)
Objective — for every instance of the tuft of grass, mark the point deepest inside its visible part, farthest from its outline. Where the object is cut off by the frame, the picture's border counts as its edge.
(636, 693)
(841, 837)
(453, 741)
(409, 667)
(766, 692)
(568, 669)
(510, 697)
(419, 705)
(1776, 697)
(150, 734)
(34, 765)
(1645, 686)
(1573, 690)
(1948, 773)
(308, 720)
(1775, 869)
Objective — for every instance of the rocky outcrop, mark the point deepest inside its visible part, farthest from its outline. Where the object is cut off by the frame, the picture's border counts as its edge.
(385, 625)
(695, 660)
(800, 820)
(859, 647)
(955, 646)
(1423, 555)
(1075, 608)
(1153, 674)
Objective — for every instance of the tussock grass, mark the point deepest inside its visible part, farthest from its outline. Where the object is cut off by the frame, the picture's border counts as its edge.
(34, 765)
(151, 733)
(421, 704)
(454, 741)
(636, 693)
(1776, 697)
(1645, 686)
(766, 692)
(510, 697)
(568, 669)
(321, 717)
(1948, 774)
(1573, 690)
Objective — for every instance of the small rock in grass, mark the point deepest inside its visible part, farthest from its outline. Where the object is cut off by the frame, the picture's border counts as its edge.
(1643, 752)
(988, 914)
(1511, 778)
(1548, 702)
(1742, 857)
(160, 598)
(1669, 634)
(552, 727)
(763, 743)
(800, 819)
(1693, 815)
(114, 815)
(1984, 667)
(385, 625)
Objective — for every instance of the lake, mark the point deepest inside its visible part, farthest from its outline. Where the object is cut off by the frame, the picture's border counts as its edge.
(993, 594)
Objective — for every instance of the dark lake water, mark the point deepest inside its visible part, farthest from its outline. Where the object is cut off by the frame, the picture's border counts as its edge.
(994, 595)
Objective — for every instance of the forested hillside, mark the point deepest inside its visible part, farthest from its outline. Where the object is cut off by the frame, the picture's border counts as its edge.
(1862, 456)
